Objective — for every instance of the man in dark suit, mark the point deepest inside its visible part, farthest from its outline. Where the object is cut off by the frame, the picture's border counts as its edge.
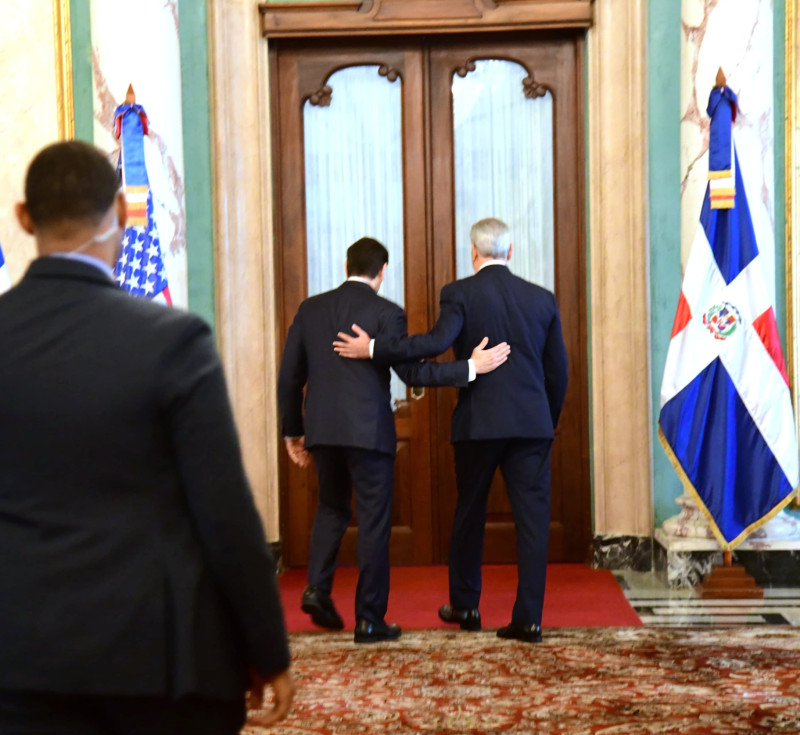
(349, 429)
(137, 589)
(506, 419)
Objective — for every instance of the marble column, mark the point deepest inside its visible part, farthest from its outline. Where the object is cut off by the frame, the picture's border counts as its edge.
(618, 257)
(243, 239)
(136, 42)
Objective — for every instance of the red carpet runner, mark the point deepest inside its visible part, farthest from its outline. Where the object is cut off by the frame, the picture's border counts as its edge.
(576, 596)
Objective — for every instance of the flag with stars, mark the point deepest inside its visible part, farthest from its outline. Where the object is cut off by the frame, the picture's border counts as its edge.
(5, 278)
(140, 268)
(726, 417)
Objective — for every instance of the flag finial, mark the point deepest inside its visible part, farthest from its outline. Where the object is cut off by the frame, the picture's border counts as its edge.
(721, 80)
(130, 95)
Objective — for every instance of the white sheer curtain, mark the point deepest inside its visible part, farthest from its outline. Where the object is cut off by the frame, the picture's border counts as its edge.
(503, 145)
(354, 180)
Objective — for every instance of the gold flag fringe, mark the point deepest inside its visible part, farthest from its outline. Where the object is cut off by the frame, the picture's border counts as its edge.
(690, 488)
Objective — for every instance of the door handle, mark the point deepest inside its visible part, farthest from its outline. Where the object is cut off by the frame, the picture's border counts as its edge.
(417, 392)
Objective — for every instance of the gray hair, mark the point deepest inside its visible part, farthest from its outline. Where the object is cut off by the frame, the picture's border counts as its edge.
(491, 237)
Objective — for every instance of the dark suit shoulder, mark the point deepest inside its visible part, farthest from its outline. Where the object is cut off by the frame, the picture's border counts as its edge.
(154, 317)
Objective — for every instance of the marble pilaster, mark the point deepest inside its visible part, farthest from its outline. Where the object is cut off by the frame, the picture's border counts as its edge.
(120, 58)
(243, 239)
(618, 257)
(29, 115)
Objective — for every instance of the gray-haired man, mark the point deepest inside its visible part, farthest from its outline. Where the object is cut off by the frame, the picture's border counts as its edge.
(505, 420)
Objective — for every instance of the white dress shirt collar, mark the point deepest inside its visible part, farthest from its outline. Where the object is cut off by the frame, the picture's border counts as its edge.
(89, 260)
(361, 279)
(493, 262)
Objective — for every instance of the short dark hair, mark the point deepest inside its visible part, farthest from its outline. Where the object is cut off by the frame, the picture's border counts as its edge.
(69, 181)
(366, 257)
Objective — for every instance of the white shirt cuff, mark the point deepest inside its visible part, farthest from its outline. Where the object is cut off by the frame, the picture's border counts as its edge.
(371, 348)
(472, 372)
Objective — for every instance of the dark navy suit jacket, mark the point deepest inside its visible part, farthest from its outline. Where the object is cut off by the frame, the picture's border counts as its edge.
(524, 396)
(132, 559)
(348, 402)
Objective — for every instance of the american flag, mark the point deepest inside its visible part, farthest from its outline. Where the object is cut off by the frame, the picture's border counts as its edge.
(140, 268)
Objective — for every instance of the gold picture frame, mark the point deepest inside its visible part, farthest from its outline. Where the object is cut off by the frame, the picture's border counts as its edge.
(63, 56)
(792, 179)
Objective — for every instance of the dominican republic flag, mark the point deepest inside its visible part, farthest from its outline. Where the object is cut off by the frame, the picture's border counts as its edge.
(726, 418)
(5, 278)
(140, 268)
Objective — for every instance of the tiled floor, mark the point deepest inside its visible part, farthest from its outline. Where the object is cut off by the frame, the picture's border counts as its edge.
(656, 604)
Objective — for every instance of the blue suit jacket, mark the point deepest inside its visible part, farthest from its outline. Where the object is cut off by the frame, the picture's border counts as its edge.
(132, 559)
(524, 396)
(348, 402)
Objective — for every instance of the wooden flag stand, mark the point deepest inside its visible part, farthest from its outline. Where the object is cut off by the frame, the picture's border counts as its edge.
(729, 582)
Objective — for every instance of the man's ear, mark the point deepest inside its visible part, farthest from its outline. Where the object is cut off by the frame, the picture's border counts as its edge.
(383, 271)
(510, 250)
(346, 270)
(24, 217)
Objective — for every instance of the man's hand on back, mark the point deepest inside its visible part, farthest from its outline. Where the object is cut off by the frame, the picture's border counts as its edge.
(487, 360)
(356, 348)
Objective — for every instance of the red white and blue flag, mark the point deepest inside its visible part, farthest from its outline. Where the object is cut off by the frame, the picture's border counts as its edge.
(726, 417)
(5, 278)
(140, 268)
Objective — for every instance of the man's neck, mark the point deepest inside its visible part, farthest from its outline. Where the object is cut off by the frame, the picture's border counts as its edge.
(373, 283)
(483, 262)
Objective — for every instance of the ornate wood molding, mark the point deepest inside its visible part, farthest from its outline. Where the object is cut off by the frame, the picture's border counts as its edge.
(379, 17)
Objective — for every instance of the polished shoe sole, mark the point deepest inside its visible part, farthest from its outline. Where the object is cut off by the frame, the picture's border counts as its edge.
(363, 638)
(320, 617)
(471, 625)
(520, 636)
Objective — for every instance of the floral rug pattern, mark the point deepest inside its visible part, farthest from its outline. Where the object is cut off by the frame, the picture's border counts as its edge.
(578, 681)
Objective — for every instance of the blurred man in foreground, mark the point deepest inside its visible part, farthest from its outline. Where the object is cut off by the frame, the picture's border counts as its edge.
(137, 589)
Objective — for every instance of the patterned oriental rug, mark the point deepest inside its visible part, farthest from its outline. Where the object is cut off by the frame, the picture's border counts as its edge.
(578, 681)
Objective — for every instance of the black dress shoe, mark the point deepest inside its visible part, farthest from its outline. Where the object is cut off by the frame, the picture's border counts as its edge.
(319, 606)
(530, 633)
(367, 632)
(467, 618)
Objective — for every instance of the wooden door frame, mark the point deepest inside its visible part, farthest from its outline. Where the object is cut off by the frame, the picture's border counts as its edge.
(246, 323)
(375, 18)
(416, 17)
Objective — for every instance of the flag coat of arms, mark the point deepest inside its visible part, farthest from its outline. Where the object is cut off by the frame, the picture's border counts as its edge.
(726, 417)
(5, 278)
(140, 269)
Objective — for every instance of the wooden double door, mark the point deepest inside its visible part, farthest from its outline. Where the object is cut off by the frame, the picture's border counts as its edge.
(411, 140)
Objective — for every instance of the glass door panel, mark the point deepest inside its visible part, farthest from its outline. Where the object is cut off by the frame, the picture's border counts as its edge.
(503, 163)
(353, 149)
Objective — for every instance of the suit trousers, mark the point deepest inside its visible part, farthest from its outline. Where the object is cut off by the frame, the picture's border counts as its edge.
(39, 713)
(525, 464)
(343, 471)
